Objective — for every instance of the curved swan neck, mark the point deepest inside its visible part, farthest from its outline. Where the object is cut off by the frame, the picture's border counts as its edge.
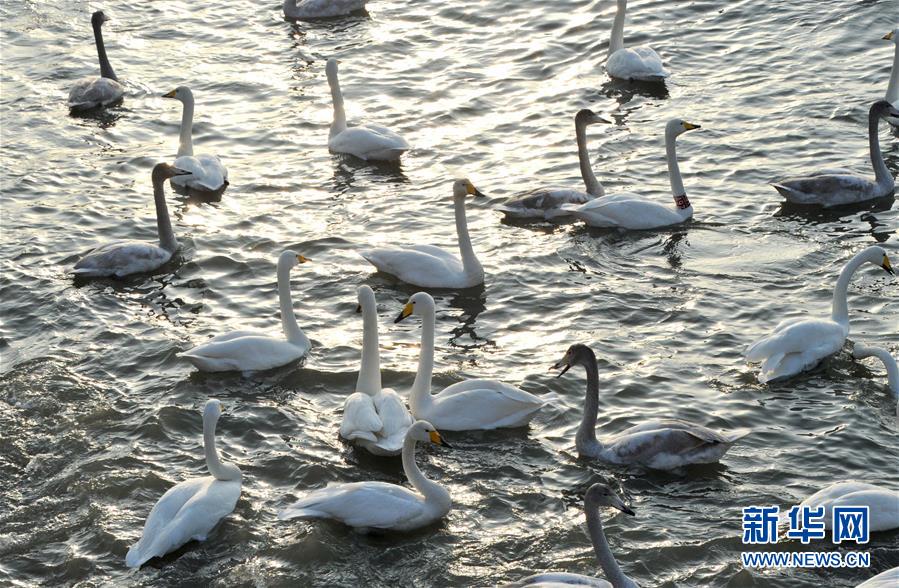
(105, 68)
(288, 320)
(338, 125)
(616, 42)
(586, 433)
(881, 173)
(593, 186)
(167, 238)
(892, 95)
(420, 395)
(219, 470)
(470, 263)
(433, 492)
(369, 380)
(185, 142)
(601, 547)
(839, 309)
(892, 369)
(674, 177)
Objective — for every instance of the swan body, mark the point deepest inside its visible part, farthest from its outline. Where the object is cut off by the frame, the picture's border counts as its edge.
(659, 444)
(598, 495)
(882, 503)
(887, 579)
(208, 172)
(91, 92)
(798, 345)
(191, 509)
(630, 211)
(475, 404)
(379, 506)
(367, 142)
(124, 258)
(841, 188)
(892, 95)
(374, 418)
(546, 203)
(640, 63)
(427, 266)
(312, 9)
(248, 351)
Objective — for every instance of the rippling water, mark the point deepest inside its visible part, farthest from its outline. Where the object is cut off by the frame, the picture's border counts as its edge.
(99, 417)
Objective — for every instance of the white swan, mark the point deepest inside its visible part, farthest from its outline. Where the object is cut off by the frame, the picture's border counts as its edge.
(248, 351)
(892, 95)
(640, 63)
(882, 503)
(209, 173)
(798, 344)
(627, 210)
(375, 419)
(546, 202)
(861, 351)
(191, 509)
(123, 258)
(379, 506)
(312, 9)
(887, 579)
(368, 142)
(838, 187)
(427, 266)
(659, 444)
(475, 404)
(598, 496)
(91, 92)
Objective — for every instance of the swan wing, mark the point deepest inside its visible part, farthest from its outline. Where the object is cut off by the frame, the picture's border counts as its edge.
(636, 63)
(668, 443)
(628, 211)
(394, 415)
(371, 505)
(829, 189)
(367, 142)
(235, 335)
(207, 172)
(421, 265)
(883, 503)
(481, 404)
(887, 579)
(122, 259)
(93, 92)
(311, 9)
(544, 203)
(253, 353)
(360, 419)
(558, 580)
(796, 346)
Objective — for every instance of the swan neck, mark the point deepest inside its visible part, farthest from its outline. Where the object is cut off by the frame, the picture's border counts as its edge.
(338, 125)
(586, 433)
(470, 264)
(603, 553)
(674, 177)
(617, 40)
(290, 9)
(881, 173)
(839, 310)
(892, 95)
(219, 470)
(105, 68)
(594, 188)
(434, 493)
(167, 238)
(185, 142)
(420, 396)
(289, 324)
(892, 369)
(369, 380)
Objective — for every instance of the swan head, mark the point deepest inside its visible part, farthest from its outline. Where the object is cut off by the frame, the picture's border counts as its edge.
(366, 296)
(181, 93)
(164, 171)
(426, 433)
(212, 410)
(892, 36)
(599, 495)
(289, 259)
(98, 18)
(883, 109)
(463, 187)
(877, 256)
(419, 304)
(586, 117)
(677, 126)
(331, 68)
(577, 354)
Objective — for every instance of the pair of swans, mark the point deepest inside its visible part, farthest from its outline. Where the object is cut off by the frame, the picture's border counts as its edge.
(639, 63)
(659, 444)
(91, 92)
(546, 202)
(367, 142)
(427, 266)
(379, 506)
(892, 95)
(626, 210)
(798, 344)
(250, 351)
(190, 510)
(207, 171)
(123, 258)
(374, 418)
(313, 9)
(838, 187)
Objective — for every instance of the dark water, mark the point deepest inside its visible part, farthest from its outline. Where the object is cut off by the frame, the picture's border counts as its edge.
(98, 417)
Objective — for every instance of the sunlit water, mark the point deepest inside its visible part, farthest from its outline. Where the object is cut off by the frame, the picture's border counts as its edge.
(98, 417)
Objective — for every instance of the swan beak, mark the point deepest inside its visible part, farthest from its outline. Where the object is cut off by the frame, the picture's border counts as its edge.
(599, 119)
(301, 259)
(623, 508)
(436, 439)
(691, 126)
(181, 172)
(886, 265)
(407, 310)
(169, 94)
(888, 36)
(472, 191)
(564, 365)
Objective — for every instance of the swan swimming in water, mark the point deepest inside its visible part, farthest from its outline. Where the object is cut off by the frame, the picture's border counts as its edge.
(546, 202)
(208, 172)
(428, 266)
(892, 95)
(861, 351)
(887, 579)
(626, 210)
(639, 63)
(91, 92)
(598, 496)
(191, 509)
(368, 142)
(123, 258)
(838, 187)
(475, 404)
(882, 503)
(658, 444)
(249, 351)
(799, 344)
(312, 9)
(379, 506)
(374, 418)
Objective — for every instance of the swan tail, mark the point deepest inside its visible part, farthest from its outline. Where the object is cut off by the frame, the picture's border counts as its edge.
(736, 435)
(293, 512)
(135, 558)
(793, 195)
(357, 435)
